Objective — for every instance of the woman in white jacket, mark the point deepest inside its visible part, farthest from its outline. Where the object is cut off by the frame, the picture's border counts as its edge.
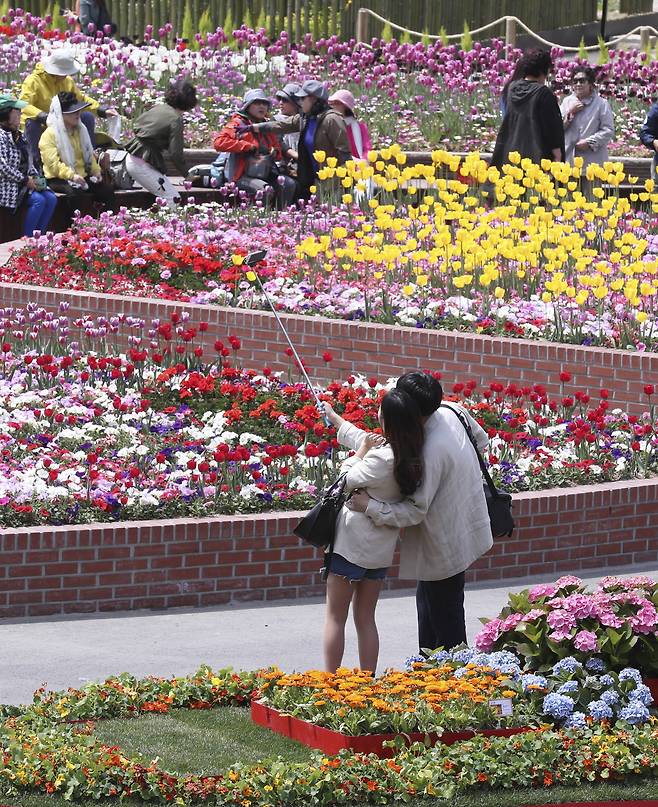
(389, 468)
(588, 122)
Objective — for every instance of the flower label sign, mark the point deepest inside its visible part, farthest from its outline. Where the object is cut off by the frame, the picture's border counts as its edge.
(331, 742)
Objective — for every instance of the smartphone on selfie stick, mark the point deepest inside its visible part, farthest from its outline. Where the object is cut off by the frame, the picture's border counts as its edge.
(252, 259)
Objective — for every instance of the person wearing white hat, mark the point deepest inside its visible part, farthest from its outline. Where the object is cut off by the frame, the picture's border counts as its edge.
(357, 131)
(48, 79)
(68, 158)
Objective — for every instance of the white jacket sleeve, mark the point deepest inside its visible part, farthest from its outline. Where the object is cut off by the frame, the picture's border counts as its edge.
(606, 131)
(350, 436)
(411, 510)
(376, 466)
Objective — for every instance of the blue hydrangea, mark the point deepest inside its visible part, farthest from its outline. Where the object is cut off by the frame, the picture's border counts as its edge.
(557, 706)
(460, 672)
(576, 721)
(568, 686)
(641, 694)
(630, 674)
(464, 655)
(532, 680)
(568, 665)
(607, 680)
(635, 713)
(503, 657)
(440, 656)
(600, 710)
(412, 660)
(513, 670)
(610, 697)
(595, 665)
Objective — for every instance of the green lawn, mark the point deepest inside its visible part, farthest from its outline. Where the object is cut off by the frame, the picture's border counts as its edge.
(187, 741)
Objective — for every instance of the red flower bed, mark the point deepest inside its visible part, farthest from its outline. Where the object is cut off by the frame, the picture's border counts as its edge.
(332, 742)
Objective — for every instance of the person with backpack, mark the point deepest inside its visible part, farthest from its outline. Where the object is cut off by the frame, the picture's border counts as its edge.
(255, 155)
(322, 129)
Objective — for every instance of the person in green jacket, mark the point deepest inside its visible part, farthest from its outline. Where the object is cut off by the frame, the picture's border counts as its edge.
(160, 130)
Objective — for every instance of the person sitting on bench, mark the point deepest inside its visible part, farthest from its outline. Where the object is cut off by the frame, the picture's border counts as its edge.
(68, 157)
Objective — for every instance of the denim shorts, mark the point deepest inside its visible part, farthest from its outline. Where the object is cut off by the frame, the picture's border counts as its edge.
(343, 568)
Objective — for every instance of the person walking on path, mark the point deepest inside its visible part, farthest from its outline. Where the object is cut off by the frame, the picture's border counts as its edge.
(588, 122)
(446, 521)
(160, 130)
(48, 79)
(532, 126)
(20, 183)
(389, 468)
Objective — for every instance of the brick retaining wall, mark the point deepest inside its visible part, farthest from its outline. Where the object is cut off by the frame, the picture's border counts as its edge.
(187, 562)
(380, 350)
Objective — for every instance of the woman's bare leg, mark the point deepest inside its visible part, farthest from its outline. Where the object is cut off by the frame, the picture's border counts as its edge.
(364, 604)
(339, 596)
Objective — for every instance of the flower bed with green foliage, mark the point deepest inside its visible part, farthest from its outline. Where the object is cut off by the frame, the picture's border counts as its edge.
(50, 747)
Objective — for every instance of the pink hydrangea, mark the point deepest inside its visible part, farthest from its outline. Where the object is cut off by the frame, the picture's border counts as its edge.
(536, 613)
(561, 620)
(542, 590)
(512, 621)
(486, 638)
(559, 635)
(569, 580)
(586, 641)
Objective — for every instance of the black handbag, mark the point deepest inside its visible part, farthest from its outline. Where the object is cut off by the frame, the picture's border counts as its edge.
(499, 502)
(318, 527)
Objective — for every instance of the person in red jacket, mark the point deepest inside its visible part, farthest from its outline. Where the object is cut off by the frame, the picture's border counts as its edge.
(255, 159)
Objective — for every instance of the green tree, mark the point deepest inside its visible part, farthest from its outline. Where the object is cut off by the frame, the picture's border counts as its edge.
(205, 23)
(582, 53)
(405, 39)
(188, 27)
(467, 39)
(443, 36)
(604, 56)
(387, 33)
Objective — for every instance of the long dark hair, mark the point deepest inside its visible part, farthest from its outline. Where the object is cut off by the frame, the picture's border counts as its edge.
(403, 428)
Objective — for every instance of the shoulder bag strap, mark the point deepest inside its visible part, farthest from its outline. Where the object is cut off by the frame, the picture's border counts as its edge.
(483, 465)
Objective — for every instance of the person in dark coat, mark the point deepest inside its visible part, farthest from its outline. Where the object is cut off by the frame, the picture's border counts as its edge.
(532, 125)
(649, 136)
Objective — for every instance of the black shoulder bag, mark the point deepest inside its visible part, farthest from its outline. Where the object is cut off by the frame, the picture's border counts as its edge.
(318, 527)
(499, 503)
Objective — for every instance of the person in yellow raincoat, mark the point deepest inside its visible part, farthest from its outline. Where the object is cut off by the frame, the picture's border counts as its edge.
(48, 79)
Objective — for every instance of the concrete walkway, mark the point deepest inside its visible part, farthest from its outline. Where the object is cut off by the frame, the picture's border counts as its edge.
(63, 652)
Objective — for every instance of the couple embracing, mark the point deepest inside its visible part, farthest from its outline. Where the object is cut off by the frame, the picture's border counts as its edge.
(422, 476)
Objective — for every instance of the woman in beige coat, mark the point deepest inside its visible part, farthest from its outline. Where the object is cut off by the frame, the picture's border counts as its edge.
(389, 468)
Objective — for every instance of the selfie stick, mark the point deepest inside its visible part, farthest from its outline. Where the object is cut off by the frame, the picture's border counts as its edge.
(251, 260)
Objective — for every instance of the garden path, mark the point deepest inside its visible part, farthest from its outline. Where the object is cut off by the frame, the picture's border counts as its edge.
(67, 651)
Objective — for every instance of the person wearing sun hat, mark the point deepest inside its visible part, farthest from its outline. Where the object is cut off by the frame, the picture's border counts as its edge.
(48, 79)
(254, 157)
(68, 157)
(357, 131)
(289, 106)
(20, 184)
(322, 129)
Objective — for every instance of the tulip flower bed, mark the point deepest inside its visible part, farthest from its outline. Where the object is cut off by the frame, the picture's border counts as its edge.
(419, 96)
(50, 747)
(568, 270)
(161, 432)
(618, 622)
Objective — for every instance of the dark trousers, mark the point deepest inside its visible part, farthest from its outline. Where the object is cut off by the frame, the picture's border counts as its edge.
(34, 130)
(77, 199)
(440, 607)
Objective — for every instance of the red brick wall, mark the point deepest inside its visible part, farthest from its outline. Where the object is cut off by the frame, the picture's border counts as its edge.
(163, 564)
(381, 350)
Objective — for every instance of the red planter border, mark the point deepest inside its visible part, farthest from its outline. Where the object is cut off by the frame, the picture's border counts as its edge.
(331, 742)
(380, 350)
(205, 562)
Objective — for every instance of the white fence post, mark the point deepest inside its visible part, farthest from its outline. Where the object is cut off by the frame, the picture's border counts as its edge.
(510, 32)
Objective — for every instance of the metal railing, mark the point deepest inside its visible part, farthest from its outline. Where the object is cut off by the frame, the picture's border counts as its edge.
(644, 32)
